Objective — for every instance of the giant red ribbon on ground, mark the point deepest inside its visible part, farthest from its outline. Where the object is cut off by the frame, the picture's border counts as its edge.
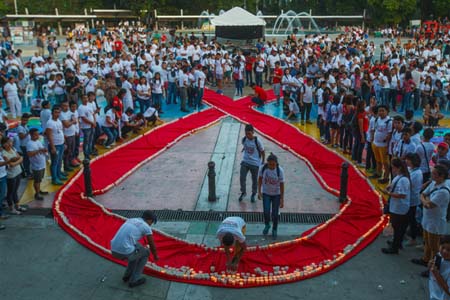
(320, 249)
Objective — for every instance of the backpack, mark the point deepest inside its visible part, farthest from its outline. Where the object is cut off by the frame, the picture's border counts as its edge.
(265, 167)
(256, 143)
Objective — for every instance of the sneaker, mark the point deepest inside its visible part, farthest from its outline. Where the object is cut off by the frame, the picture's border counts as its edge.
(21, 208)
(391, 242)
(2, 227)
(383, 180)
(274, 234)
(389, 251)
(43, 192)
(74, 163)
(64, 174)
(419, 261)
(138, 282)
(252, 199)
(126, 278)
(241, 197)
(57, 182)
(63, 178)
(107, 147)
(38, 197)
(14, 211)
(266, 229)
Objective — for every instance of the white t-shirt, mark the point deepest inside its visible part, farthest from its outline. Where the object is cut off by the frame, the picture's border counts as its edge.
(23, 130)
(57, 131)
(404, 148)
(425, 160)
(293, 107)
(37, 162)
(157, 86)
(251, 153)
(2, 168)
(129, 234)
(150, 112)
(112, 116)
(67, 116)
(270, 180)
(87, 112)
(143, 88)
(200, 78)
(401, 185)
(11, 90)
(45, 115)
(234, 226)
(383, 127)
(89, 85)
(436, 292)
(434, 219)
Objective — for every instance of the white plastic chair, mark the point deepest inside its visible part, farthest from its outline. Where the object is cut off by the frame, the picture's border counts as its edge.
(28, 94)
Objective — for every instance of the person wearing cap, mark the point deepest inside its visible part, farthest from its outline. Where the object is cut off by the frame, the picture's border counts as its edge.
(126, 246)
(231, 233)
(442, 152)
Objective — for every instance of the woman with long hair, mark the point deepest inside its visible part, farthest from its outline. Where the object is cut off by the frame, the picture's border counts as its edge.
(399, 203)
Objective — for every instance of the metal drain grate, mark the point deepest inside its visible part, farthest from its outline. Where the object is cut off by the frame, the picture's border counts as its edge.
(216, 216)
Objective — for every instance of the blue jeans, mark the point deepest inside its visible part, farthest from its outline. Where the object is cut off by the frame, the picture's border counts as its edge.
(385, 96)
(198, 102)
(172, 93)
(26, 160)
(157, 100)
(88, 136)
(2, 193)
(406, 101)
(269, 201)
(239, 84)
(144, 104)
(111, 133)
(258, 78)
(56, 162)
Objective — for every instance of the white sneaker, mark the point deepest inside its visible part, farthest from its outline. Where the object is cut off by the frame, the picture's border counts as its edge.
(14, 211)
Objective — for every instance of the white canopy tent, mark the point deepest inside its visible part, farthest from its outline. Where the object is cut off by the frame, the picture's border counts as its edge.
(237, 23)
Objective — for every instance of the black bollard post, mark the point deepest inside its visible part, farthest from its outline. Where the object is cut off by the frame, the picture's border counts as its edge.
(87, 178)
(344, 182)
(211, 182)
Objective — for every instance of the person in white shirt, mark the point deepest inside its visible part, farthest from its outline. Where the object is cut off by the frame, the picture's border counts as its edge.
(55, 135)
(110, 127)
(87, 125)
(39, 77)
(306, 102)
(126, 246)
(157, 91)
(143, 91)
(90, 83)
(182, 87)
(69, 121)
(12, 96)
(232, 233)
(381, 136)
(271, 192)
(151, 115)
(128, 98)
(200, 77)
(435, 199)
(37, 154)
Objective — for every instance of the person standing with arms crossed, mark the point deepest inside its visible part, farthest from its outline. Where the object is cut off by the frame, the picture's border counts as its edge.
(271, 192)
(125, 246)
(251, 161)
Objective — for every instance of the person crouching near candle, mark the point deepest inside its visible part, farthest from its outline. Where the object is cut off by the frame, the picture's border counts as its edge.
(232, 233)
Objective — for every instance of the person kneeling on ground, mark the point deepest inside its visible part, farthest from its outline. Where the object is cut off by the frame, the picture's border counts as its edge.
(126, 246)
(439, 281)
(271, 191)
(232, 233)
(130, 122)
(260, 95)
(294, 110)
(151, 115)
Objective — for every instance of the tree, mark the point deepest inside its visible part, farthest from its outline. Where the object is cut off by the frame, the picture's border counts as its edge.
(392, 11)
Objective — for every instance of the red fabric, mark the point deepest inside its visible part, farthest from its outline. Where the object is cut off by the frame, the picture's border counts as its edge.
(357, 224)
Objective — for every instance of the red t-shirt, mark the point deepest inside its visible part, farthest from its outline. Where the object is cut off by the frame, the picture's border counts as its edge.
(117, 102)
(277, 72)
(363, 116)
(261, 93)
(118, 45)
(249, 63)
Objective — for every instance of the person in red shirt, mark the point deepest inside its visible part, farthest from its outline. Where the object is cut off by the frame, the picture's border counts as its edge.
(118, 45)
(260, 95)
(249, 62)
(360, 128)
(276, 81)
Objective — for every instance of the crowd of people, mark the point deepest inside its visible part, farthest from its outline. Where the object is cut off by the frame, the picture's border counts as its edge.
(363, 102)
